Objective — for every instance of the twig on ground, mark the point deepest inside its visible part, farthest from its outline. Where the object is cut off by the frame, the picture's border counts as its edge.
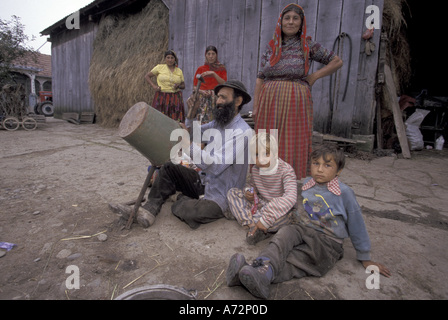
(133, 281)
(205, 271)
(216, 285)
(113, 292)
(84, 237)
(168, 246)
(309, 295)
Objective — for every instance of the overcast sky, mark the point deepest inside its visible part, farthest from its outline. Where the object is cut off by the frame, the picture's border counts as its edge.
(37, 15)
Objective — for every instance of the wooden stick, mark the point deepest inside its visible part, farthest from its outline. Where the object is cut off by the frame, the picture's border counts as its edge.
(194, 110)
(391, 99)
(140, 198)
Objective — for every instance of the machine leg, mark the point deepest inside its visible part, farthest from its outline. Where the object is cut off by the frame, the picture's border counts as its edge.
(140, 197)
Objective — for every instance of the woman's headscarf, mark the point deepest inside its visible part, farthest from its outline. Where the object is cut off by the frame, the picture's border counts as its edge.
(216, 66)
(276, 42)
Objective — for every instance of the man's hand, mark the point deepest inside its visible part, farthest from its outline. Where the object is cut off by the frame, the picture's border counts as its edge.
(183, 126)
(190, 102)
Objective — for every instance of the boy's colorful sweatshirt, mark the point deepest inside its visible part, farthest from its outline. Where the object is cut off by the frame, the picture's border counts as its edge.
(334, 210)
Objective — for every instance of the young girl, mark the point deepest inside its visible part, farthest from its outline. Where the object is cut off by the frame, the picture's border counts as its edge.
(313, 245)
(270, 195)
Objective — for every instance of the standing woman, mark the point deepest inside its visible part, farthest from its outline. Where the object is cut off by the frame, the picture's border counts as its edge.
(282, 98)
(170, 81)
(214, 74)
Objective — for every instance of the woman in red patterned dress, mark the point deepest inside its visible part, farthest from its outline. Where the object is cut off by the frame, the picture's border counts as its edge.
(282, 98)
(214, 73)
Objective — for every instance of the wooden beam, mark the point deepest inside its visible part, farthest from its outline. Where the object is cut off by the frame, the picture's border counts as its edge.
(391, 99)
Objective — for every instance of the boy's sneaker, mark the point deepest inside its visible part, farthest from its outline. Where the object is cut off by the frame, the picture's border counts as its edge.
(257, 278)
(236, 263)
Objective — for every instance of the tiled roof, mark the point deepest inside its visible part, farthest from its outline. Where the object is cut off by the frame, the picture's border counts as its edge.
(41, 62)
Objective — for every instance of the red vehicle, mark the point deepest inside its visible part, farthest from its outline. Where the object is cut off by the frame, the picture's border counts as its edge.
(45, 104)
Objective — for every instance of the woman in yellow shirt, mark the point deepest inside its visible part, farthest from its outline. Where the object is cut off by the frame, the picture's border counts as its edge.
(170, 83)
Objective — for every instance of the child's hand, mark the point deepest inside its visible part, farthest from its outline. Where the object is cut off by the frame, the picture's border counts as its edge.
(261, 227)
(258, 226)
(249, 196)
(383, 270)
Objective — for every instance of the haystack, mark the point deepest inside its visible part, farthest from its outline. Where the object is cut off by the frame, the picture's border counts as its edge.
(399, 52)
(12, 101)
(399, 59)
(125, 49)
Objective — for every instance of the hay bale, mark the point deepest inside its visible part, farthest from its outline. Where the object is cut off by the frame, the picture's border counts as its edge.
(125, 49)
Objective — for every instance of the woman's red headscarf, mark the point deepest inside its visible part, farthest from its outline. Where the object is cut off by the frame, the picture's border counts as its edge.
(276, 42)
(216, 66)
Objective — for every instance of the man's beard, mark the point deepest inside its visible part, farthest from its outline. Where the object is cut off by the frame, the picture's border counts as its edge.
(224, 113)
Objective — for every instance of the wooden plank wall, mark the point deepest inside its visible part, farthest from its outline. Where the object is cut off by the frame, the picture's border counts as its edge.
(72, 52)
(241, 29)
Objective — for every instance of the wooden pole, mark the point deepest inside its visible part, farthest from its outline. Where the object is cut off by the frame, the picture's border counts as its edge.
(391, 99)
(138, 203)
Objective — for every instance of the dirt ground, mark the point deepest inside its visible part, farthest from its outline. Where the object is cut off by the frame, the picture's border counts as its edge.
(56, 183)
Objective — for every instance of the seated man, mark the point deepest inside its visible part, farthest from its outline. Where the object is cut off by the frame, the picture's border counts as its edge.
(203, 199)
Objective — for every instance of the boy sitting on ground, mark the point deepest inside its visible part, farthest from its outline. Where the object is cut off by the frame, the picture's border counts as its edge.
(313, 245)
(270, 195)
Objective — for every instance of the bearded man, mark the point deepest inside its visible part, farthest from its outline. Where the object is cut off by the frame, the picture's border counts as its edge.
(223, 165)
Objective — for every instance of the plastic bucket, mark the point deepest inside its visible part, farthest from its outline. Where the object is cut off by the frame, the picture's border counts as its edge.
(157, 292)
(149, 132)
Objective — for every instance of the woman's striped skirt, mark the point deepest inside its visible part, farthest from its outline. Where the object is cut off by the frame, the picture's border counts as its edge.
(170, 104)
(288, 107)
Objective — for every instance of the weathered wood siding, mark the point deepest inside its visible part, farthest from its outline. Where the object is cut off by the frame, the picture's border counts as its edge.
(241, 29)
(71, 55)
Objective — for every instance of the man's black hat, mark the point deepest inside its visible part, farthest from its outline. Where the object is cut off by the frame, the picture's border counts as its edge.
(236, 85)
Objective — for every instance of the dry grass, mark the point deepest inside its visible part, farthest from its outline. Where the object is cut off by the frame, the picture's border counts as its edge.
(400, 53)
(12, 101)
(125, 49)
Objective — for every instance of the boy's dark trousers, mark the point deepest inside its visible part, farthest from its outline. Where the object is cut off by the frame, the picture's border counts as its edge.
(172, 178)
(297, 251)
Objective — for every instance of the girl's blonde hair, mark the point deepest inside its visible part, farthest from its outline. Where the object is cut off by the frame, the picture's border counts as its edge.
(267, 142)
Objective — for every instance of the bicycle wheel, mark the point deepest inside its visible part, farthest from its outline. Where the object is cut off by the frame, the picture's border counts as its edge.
(11, 124)
(29, 124)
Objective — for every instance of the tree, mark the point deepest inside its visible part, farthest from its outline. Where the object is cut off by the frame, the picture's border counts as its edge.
(12, 45)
